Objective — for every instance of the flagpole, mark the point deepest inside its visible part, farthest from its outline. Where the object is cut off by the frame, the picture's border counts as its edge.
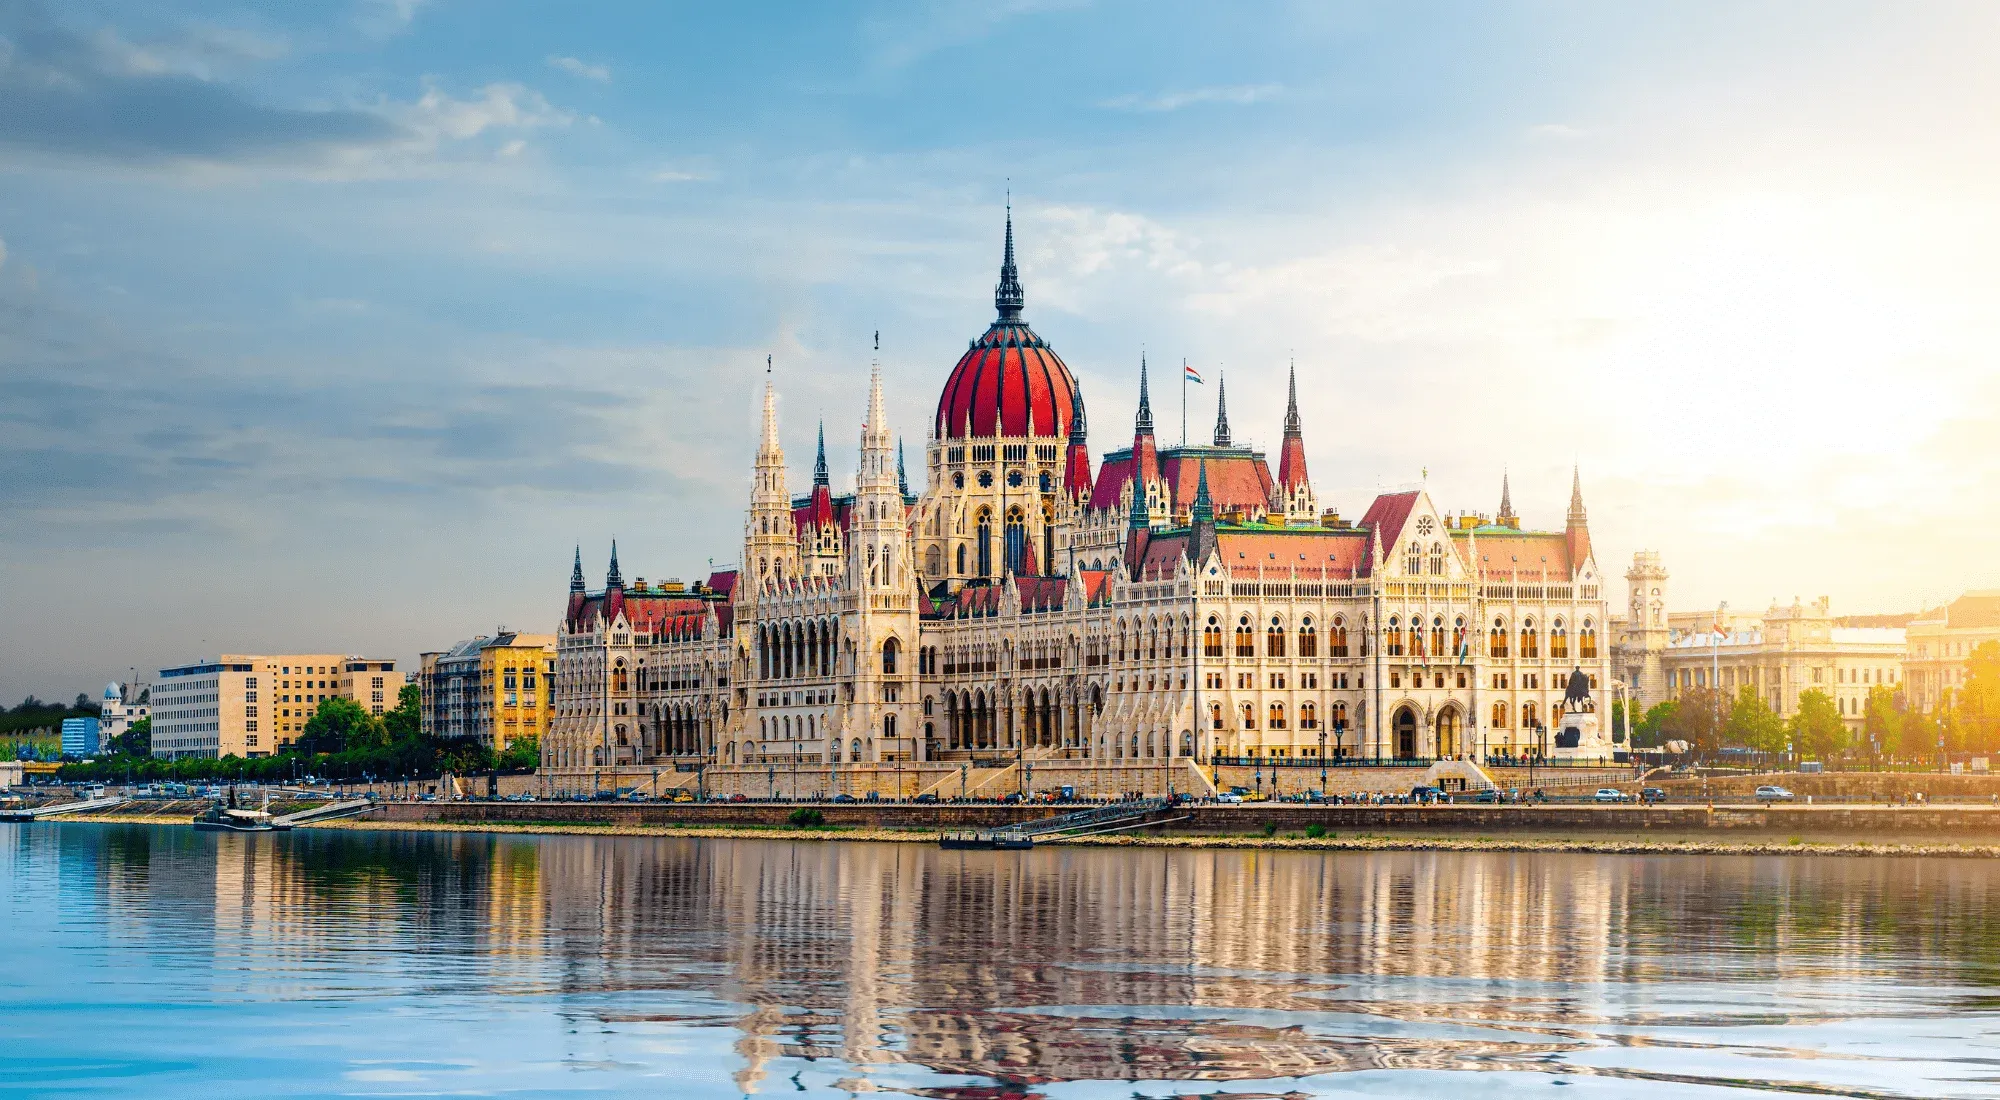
(1183, 402)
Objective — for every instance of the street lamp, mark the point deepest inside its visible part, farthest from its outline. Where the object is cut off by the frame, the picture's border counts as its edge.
(1322, 763)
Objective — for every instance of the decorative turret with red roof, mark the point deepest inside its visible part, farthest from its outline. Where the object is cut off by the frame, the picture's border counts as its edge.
(1295, 495)
(1576, 531)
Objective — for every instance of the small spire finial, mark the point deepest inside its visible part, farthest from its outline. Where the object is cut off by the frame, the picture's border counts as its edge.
(1292, 426)
(1577, 516)
(613, 579)
(819, 463)
(1143, 425)
(1204, 506)
(1008, 298)
(576, 570)
(902, 478)
(1506, 515)
(1221, 410)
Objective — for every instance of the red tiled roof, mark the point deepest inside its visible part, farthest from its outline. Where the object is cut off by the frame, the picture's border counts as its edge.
(1977, 610)
(1162, 552)
(1334, 555)
(1387, 515)
(1093, 584)
(1526, 555)
(1042, 593)
(723, 582)
(1236, 479)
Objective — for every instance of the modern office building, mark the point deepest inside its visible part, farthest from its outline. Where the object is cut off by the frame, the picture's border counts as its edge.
(79, 737)
(252, 705)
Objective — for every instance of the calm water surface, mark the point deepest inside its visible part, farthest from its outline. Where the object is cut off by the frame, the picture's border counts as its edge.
(159, 962)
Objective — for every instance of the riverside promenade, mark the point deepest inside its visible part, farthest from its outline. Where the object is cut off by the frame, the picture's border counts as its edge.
(1723, 822)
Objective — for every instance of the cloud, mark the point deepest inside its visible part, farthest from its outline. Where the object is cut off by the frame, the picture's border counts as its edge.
(101, 96)
(383, 18)
(584, 69)
(1241, 95)
(680, 175)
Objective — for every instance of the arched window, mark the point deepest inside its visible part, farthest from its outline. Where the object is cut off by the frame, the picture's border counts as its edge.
(890, 649)
(961, 559)
(1559, 641)
(1437, 559)
(1017, 541)
(934, 561)
(1308, 716)
(1336, 639)
(1277, 716)
(1527, 714)
(1249, 717)
(889, 727)
(1308, 641)
(1246, 638)
(1437, 638)
(1531, 645)
(1586, 641)
(1339, 716)
(1499, 716)
(1496, 640)
(620, 681)
(1215, 715)
(1395, 636)
(985, 542)
(854, 749)
(1274, 638)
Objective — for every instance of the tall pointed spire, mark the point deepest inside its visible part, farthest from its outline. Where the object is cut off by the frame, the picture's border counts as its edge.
(612, 579)
(768, 443)
(1506, 518)
(1204, 506)
(1577, 516)
(902, 475)
(576, 571)
(1292, 455)
(819, 463)
(1292, 426)
(1143, 424)
(1078, 430)
(1221, 411)
(1008, 297)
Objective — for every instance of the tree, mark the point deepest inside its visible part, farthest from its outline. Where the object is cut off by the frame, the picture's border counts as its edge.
(522, 753)
(1979, 699)
(1817, 729)
(1883, 722)
(135, 741)
(1696, 720)
(338, 724)
(1752, 724)
(405, 724)
(1647, 731)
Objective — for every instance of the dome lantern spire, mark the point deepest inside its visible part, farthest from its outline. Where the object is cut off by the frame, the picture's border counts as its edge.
(1143, 424)
(1008, 298)
(819, 464)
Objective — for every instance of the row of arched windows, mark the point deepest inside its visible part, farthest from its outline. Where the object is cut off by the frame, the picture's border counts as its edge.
(1275, 637)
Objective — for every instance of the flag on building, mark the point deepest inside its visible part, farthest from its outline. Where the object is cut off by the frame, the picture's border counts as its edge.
(1191, 374)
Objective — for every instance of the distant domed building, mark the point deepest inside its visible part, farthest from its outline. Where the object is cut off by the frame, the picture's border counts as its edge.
(1027, 622)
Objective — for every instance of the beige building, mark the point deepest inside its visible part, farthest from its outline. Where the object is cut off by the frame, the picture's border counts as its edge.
(495, 689)
(250, 705)
(1786, 653)
(1941, 640)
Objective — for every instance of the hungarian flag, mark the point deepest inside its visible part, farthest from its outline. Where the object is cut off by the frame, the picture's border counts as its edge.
(1191, 374)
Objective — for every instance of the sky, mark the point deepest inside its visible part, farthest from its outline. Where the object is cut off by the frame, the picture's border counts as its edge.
(336, 327)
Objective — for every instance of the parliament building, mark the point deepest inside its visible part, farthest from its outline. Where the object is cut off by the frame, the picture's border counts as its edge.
(1034, 612)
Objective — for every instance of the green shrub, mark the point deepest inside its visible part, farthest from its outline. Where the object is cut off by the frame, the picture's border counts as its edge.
(805, 817)
(1314, 832)
(1270, 829)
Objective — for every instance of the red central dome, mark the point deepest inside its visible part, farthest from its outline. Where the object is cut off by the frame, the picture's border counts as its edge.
(1010, 379)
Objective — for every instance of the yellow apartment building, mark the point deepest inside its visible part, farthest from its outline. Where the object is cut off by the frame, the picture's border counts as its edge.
(495, 689)
(1941, 640)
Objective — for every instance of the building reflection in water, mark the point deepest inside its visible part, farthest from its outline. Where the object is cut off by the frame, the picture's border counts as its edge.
(1057, 964)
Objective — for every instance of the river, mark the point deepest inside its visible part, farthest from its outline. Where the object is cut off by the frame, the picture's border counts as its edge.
(159, 962)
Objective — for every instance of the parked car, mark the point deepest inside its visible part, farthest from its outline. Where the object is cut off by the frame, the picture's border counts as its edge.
(1429, 794)
(927, 796)
(1610, 794)
(1230, 797)
(843, 797)
(739, 798)
(1485, 794)
(1652, 794)
(1771, 792)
